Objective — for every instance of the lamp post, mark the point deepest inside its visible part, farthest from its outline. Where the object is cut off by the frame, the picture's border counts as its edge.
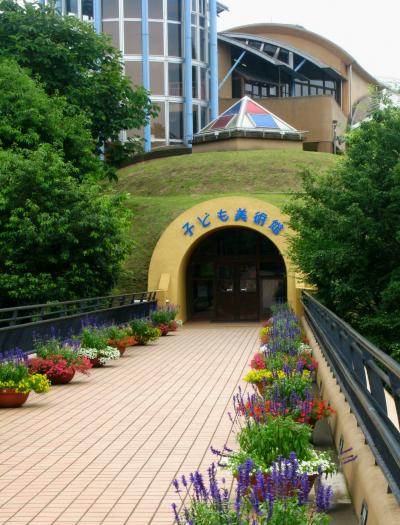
(334, 126)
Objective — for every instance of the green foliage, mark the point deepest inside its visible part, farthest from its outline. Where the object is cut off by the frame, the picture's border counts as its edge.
(70, 59)
(160, 317)
(289, 384)
(264, 443)
(60, 239)
(16, 375)
(142, 332)
(52, 347)
(115, 332)
(347, 227)
(30, 118)
(92, 337)
(289, 512)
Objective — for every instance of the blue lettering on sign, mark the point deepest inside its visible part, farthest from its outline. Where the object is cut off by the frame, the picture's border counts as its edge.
(276, 227)
(204, 221)
(222, 215)
(188, 229)
(241, 215)
(260, 218)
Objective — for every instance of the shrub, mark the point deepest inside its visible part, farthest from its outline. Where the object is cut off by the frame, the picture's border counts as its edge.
(143, 332)
(14, 374)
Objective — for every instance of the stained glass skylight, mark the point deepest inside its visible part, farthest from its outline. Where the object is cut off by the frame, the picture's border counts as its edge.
(248, 115)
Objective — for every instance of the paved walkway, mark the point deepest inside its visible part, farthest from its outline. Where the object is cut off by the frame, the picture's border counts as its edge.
(104, 449)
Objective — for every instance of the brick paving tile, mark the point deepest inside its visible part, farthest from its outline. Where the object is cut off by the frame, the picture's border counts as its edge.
(105, 448)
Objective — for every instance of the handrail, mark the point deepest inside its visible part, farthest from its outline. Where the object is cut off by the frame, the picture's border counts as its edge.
(366, 376)
(67, 317)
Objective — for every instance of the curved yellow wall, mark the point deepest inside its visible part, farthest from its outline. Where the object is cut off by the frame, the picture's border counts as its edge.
(167, 271)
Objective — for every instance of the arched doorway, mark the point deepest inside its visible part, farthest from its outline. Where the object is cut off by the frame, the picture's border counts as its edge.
(235, 274)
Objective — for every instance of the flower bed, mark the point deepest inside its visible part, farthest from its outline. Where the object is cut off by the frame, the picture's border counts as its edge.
(275, 464)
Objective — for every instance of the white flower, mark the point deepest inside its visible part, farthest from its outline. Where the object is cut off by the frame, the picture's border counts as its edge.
(104, 354)
(305, 349)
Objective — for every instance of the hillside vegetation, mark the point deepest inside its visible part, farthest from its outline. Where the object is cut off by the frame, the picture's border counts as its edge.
(159, 190)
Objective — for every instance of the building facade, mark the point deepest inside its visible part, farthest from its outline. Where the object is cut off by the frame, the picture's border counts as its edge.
(172, 48)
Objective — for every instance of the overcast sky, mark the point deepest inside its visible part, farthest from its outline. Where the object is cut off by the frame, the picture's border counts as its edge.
(368, 30)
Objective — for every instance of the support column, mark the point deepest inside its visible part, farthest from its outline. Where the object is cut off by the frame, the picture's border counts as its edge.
(213, 60)
(146, 66)
(188, 120)
(97, 16)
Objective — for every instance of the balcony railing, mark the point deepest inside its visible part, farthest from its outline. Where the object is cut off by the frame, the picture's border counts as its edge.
(20, 326)
(369, 379)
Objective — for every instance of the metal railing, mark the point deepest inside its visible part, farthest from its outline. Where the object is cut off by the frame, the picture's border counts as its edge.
(20, 326)
(367, 377)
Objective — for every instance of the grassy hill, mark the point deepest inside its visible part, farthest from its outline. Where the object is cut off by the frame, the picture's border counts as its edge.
(159, 190)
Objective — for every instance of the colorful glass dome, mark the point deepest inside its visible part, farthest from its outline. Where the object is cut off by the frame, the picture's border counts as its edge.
(249, 115)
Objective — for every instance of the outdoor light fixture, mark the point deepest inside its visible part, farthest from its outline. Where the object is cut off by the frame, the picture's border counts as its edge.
(364, 513)
(334, 126)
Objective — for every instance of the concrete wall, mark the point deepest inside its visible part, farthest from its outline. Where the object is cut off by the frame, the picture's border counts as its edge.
(224, 64)
(365, 480)
(168, 265)
(237, 144)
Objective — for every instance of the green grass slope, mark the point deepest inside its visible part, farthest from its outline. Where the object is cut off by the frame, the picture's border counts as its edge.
(159, 190)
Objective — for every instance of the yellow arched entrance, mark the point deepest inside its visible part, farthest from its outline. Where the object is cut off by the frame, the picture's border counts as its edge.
(167, 271)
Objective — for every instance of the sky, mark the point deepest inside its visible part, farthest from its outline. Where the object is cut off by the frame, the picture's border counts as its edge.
(369, 30)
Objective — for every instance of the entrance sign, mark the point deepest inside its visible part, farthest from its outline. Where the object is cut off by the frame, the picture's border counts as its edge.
(259, 218)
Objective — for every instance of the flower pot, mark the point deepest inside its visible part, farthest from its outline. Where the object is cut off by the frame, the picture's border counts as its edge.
(261, 387)
(61, 379)
(9, 398)
(96, 362)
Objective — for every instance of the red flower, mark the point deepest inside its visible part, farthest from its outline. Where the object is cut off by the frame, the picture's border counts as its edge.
(258, 362)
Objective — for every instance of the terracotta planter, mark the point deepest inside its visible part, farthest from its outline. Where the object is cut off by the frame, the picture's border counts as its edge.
(61, 379)
(96, 362)
(9, 398)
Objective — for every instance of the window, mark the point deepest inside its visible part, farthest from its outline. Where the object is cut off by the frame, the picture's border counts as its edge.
(87, 9)
(195, 119)
(133, 38)
(269, 50)
(175, 121)
(204, 117)
(112, 29)
(72, 7)
(157, 78)
(156, 9)
(174, 40)
(264, 91)
(195, 84)
(175, 80)
(174, 10)
(202, 45)
(132, 8)
(109, 9)
(203, 83)
(158, 123)
(194, 44)
(284, 56)
(156, 38)
(134, 70)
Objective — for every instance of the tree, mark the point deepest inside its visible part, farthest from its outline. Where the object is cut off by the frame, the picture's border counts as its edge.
(60, 238)
(70, 59)
(348, 230)
(30, 118)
